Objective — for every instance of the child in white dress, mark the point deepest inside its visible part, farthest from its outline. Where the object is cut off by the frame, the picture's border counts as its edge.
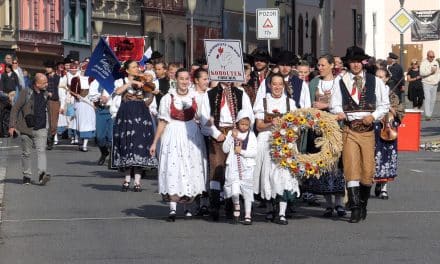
(241, 144)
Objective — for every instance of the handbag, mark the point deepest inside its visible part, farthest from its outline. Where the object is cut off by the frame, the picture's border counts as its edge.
(70, 110)
(30, 120)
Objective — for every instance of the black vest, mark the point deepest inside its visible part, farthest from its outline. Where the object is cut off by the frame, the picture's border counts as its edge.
(367, 102)
(215, 98)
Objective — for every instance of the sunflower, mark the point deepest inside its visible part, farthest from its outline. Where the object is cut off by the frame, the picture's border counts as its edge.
(293, 165)
(283, 162)
(290, 133)
(289, 117)
(321, 163)
(302, 120)
(310, 170)
(278, 141)
(286, 149)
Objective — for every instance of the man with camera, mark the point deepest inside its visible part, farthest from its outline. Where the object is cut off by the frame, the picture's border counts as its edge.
(28, 119)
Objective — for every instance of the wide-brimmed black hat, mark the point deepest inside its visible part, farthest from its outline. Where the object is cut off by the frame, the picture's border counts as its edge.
(286, 57)
(355, 53)
(156, 55)
(49, 64)
(392, 56)
(260, 55)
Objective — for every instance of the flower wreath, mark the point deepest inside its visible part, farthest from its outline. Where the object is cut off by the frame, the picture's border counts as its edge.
(284, 150)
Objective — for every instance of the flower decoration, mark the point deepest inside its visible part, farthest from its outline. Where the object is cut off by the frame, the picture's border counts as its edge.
(292, 126)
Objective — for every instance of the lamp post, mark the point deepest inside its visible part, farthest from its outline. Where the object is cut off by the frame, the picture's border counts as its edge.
(288, 12)
(401, 38)
(244, 26)
(192, 7)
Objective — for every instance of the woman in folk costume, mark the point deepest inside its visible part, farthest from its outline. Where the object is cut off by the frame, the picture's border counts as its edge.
(386, 150)
(182, 157)
(73, 85)
(241, 144)
(132, 128)
(84, 111)
(330, 183)
(270, 180)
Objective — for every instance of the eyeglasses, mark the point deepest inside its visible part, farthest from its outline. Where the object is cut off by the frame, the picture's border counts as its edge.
(431, 57)
(15, 62)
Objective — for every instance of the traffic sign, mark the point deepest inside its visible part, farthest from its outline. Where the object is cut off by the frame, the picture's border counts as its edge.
(268, 23)
(402, 20)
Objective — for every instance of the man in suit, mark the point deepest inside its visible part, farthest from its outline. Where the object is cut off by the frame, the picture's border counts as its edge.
(396, 74)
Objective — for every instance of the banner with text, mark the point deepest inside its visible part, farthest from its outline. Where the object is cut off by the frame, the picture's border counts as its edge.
(127, 48)
(426, 25)
(225, 60)
(104, 66)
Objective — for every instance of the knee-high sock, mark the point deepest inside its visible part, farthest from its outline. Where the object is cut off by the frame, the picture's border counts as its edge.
(247, 208)
(137, 179)
(283, 206)
(384, 187)
(236, 201)
(353, 184)
(85, 143)
(173, 206)
(328, 200)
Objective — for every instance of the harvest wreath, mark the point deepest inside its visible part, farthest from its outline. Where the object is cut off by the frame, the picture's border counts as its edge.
(284, 140)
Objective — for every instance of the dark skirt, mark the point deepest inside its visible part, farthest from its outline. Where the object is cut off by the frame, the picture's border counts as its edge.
(133, 135)
(385, 156)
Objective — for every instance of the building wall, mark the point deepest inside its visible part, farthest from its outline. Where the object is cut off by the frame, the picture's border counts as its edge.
(381, 41)
(8, 26)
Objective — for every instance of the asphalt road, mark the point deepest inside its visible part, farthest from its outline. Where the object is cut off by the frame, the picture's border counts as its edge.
(82, 217)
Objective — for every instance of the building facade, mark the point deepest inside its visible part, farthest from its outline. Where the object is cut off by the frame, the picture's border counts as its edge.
(165, 28)
(40, 33)
(8, 27)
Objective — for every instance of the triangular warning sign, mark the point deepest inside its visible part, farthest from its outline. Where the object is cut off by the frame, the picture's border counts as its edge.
(267, 24)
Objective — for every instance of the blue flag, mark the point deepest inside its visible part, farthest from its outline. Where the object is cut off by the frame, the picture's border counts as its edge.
(104, 66)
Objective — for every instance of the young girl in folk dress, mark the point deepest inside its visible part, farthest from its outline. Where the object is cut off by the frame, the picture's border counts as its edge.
(241, 144)
(274, 183)
(182, 156)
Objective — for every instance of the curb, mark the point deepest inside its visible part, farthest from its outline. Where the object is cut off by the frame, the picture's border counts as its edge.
(3, 161)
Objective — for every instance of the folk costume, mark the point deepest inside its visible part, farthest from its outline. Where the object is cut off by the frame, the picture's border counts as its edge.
(358, 97)
(240, 167)
(62, 117)
(386, 151)
(270, 180)
(84, 111)
(219, 109)
(257, 76)
(182, 158)
(133, 134)
(104, 121)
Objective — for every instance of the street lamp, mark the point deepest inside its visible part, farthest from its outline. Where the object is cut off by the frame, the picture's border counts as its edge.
(192, 7)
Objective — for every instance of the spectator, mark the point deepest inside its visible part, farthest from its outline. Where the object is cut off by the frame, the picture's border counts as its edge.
(415, 86)
(429, 70)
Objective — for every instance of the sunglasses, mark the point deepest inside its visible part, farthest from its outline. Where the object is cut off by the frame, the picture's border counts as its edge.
(431, 57)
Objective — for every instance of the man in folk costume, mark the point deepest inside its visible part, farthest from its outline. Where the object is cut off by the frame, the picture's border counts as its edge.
(361, 99)
(220, 107)
(298, 89)
(104, 122)
(260, 58)
(53, 102)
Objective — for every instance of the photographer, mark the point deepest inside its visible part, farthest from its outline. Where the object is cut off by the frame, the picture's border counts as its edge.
(28, 119)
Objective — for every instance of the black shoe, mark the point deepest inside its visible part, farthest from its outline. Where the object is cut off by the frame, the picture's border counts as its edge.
(172, 216)
(50, 140)
(215, 215)
(383, 195)
(104, 154)
(236, 217)
(125, 187)
(355, 216)
(354, 204)
(247, 221)
(328, 212)
(26, 180)
(281, 220)
(364, 193)
(44, 178)
(187, 215)
(203, 211)
(137, 188)
(340, 211)
(270, 216)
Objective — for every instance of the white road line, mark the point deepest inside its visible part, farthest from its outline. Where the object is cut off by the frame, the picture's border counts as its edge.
(419, 171)
(9, 147)
(164, 216)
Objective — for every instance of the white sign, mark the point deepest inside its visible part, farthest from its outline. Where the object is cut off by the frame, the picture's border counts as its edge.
(268, 23)
(402, 20)
(225, 60)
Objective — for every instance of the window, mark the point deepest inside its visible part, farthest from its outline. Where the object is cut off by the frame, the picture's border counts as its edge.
(300, 35)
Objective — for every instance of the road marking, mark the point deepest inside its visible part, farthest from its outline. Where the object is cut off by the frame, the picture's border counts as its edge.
(419, 171)
(164, 216)
(8, 147)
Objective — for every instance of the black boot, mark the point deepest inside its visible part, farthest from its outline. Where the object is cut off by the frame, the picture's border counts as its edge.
(229, 208)
(104, 154)
(354, 204)
(214, 201)
(364, 194)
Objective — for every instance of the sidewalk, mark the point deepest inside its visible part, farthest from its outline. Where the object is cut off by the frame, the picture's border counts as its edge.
(430, 130)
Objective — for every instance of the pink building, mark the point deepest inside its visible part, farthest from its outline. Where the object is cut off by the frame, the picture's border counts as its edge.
(40, 34)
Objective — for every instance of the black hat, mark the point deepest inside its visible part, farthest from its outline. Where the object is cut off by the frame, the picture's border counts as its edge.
(355, 53)
(247, 58)
(68, 59)
(392, 56)
(260, 55)
(287, 58)
(49, 64)
(156, 55)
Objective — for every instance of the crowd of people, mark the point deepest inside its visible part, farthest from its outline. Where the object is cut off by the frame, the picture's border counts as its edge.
(210, 141)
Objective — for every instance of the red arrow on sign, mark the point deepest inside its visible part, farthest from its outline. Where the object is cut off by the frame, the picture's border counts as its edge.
(267, 24)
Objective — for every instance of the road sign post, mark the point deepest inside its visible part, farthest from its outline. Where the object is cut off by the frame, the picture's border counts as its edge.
(268, 24)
